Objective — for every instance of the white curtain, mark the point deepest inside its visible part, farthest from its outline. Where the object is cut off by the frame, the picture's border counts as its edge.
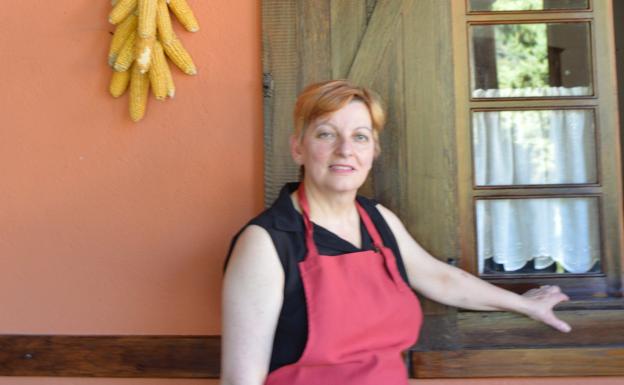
(536, 147)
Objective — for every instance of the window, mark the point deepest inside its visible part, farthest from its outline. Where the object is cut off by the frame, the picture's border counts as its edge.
(538, 190)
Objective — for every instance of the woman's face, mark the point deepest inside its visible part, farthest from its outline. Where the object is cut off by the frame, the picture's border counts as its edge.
(337, 151)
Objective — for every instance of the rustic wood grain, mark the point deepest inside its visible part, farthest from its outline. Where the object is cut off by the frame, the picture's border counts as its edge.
(505, 330)
(390, 171)
(281, 65)
(564, 362)
(381, 28)
(314, 41)
(348, 23)
(110, 356)
(608, 128)
(431, 186)
(198, 357)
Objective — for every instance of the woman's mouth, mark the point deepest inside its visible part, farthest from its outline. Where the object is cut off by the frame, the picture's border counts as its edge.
(341, 168)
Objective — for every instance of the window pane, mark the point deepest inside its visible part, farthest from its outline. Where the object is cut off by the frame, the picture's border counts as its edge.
(538, 235)
(534, 147)
(531, 60)
(526, 5)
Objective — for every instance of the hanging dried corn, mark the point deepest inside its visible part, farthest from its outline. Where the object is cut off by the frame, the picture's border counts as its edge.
(138, 52)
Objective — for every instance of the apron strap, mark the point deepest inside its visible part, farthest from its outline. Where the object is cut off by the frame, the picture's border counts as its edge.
(305, 211)
(370, 227)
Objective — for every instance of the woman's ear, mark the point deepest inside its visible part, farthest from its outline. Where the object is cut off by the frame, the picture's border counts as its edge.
(296, 149)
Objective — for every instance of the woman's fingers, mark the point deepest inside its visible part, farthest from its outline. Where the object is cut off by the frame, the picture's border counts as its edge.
(544, 299)
(558, 324)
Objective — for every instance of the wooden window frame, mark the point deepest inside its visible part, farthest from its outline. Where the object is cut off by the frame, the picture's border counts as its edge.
(607, 188)
(473, 344)
(469, 12)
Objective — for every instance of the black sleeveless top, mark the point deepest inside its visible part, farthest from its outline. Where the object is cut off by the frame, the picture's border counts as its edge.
(285, 226)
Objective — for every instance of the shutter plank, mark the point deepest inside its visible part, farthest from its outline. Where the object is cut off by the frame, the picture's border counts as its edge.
(381, 28)
(348, 24)
(314, 41)
(281, 64)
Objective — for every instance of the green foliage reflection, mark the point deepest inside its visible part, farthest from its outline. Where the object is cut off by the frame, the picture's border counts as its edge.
(521, 55)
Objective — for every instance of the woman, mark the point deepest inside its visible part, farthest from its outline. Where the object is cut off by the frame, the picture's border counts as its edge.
(318, 287)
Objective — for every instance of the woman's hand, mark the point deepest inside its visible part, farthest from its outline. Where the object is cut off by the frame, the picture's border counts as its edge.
(541, 303)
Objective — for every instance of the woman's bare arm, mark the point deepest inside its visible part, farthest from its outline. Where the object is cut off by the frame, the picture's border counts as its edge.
(252, 300)
(452, 286)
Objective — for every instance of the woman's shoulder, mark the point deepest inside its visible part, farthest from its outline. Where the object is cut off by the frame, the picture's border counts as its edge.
(380, 214)
(375, 208)
(274, 225)
(281, 215)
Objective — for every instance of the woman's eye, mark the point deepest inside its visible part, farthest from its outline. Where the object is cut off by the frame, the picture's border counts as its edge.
(325, 135)
(361, 138)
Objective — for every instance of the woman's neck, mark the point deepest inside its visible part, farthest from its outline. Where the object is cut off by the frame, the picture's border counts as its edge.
(329, 207)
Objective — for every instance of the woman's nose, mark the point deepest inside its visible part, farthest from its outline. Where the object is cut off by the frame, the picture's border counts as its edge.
(344, 147)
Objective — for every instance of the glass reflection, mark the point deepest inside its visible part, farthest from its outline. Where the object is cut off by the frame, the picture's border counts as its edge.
(534, 147)
(530, 60)
(541, 235)
(526, 5)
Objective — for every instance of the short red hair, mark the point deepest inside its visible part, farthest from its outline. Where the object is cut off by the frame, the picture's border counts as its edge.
(321, 99)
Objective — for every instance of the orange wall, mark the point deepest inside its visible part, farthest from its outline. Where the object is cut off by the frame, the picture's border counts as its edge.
(111, 227)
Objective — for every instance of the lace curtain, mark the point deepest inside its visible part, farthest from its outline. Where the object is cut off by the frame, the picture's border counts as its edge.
(536, 147)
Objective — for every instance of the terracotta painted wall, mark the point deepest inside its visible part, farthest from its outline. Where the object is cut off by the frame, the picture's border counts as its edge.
(111, 227)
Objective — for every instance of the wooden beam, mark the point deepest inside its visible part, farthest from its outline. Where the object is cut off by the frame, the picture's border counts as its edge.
(563, 362)
(110, 356)
(503, 330)
(198, 357)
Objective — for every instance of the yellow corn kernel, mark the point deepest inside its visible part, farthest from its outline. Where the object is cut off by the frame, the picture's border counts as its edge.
(119, 83)
(159, 73)
(163, 22)
(143, 52)
(184, 14)
(147, 18)
(139, 89)
(122, 32)
(121, 10)
(126, 55)
(180, 56)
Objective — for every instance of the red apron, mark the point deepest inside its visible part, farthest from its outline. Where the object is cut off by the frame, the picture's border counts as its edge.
(361, 316)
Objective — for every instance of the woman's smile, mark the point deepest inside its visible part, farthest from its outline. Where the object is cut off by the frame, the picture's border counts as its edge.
(341, 168)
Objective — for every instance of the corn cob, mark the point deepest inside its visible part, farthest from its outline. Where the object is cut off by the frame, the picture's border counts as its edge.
(122, 32)
(139, 88)
(180, 56)
(143, 52)
(170, 83)
(147, 18)
(121, 10)
(163, 22)
(126, 55)
(184, 14)
(159, 73)
(119, 83)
